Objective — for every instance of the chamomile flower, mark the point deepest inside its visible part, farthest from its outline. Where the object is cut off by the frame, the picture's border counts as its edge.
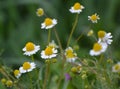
(90, 33)
(76, 69)
(53, 44)
(116, 67)
(27, 67)
(70, 55)
(40, 12)
(104, 37)
(48, 23)
(98, 48)
(49, 53)
(94, 18)
(17, 73)
(79, 68)
(9, 83)
(77, 8)
(30, 49)
(3, 80)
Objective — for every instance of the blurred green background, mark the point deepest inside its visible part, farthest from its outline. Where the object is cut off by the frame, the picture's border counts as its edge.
(20, 24)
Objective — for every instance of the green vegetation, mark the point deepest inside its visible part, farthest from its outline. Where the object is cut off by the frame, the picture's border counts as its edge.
(20, 24)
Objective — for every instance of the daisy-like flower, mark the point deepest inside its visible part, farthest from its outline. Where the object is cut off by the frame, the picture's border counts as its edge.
(30, 49)
(70, 55)
(48, 23)
(3, 80)
(98, 48)
(9, 83)
(53, 44)
(49, 53)
(104, 37)
(77, 8)
(17, 73)
(94, 18)
(79, 68)
(76, 69)
(40, 12)
(116, 67)
(27, 67)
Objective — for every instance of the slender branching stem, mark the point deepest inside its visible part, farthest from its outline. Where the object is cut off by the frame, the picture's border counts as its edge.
(46, 75)
(73, 29)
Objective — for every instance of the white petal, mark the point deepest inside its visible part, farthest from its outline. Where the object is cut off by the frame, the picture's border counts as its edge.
(42, 25)
(22, 70)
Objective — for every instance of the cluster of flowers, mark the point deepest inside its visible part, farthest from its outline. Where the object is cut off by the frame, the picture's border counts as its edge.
(51, 50)
(7, 82)
(104, 39)
(30, 49)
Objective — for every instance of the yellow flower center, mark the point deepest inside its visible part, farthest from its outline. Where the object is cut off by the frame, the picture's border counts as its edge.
(3, 80)
(74, 69)
(48, 21)
(16, 72)
(9, 83)
(40, 12)
(70, 55)
(97, 47)
(26, 66)
(94, 17)
(30, 46)
(77, 6)
(69, 51)
(117, 67)
(48, 51)
(90, 33)
(79, 68)
(101, 34)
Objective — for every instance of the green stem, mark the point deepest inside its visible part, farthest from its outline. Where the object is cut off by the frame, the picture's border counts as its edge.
(79, 37)
(94, 37)
(73, 29)
(62, 73)
(32, 58)
(46, 76)
(49, 35)
(31, 84)
(63, 61)
(101, 58)
(57, 37)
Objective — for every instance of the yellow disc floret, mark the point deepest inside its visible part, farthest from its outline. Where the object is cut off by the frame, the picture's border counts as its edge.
(90, 33)
(77, 6)
(30, 46)
(70, 55)
(48, 51)
(40, 12)
(16, 72)
(9, 83)
(79, 67)
(74, 69)
(48, 21)
(101, 34)
(117, 67)
(26, 66)
(94, 17)
(69, 51)
(97, 47)
(3, 80)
